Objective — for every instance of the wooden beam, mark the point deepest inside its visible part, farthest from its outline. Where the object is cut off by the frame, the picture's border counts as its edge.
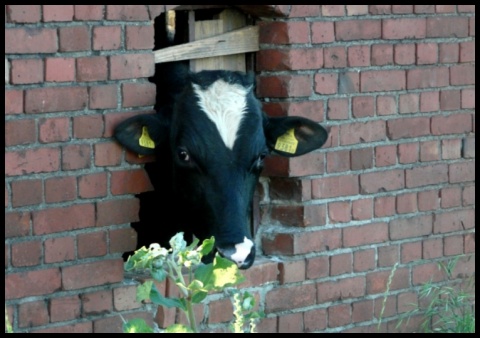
(244, 40)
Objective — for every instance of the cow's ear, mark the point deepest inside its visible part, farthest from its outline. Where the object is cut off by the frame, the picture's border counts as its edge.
(142, 134)
(293, 136)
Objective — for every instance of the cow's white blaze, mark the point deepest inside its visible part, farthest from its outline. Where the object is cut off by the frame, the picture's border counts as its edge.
(242, 250)
(225, 104)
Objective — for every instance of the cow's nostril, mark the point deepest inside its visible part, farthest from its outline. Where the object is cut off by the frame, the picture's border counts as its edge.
(242, 254)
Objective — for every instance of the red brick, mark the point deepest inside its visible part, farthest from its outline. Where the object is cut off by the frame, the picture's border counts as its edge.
(92, 274)
(26, 253)
(411, 252)
(424, 9)
(451, 197)
(304, 11)
(404, 54)
(84, 327)
(64, 308)
(429, 151)
(26, 71)
(450, 100)
(427, 77)
(468, 196)
(408, 127)
(60, 189)
(323, 32)
(292, 271)
(17, 224)
(362, 132)
(107, 154)
(385, 156)
(74, 39)
(428, 175)
(449, 53)
(361, 158)
(384, 206)
(376, 282)
(349, 30)
(364, 260)
(382, 55)
(335, 57)
(57, 13)
(54, 130)
(411, 227)
(428, 200)
(402, 9)
(290, 189)
(359, 56)
(220, 311)
(462, 74)
(338, 161)
(263, 271)
(76, 157)
(469, 244)
(447, 27)
(427, 53)
(333, 10)
(284, 86)
(127, 13)
(365, 234)
(19, 132)
(349, 82)
(32, 283)
(131, 66)
(407, 203)
(291, 297)
(388, 255)
(404, 28)
(341, 264)
(353, 10)
(382, 80)
(88, 12)
(362, 209)
(315, 320)
(24, 13)
(336, 186)
(340, 289)
(363, 106)
(432, 248)
(96, 303)
(138, 94)
(309, 164)
(454, 221)
(326, 83)
(30, 40)
(339, 212)
(59, 249)
(468, 98)
(27, 192)
(408, 103)
(407, 302)
(382, 181)
(117, 212)
(362, 311)
(46, 100)
(113, 119)
(125, 298)
(90, 126)
(428, 272)
(140, 37)
(107, 37)
(92, 244)
(60, 69)
(337, 109)
(284, 32)
(63, 219)
(339, 315)
(467, 51)
(92, 185)
(92, 69)
(13, 102)
(122, 240)
(317, 267)
(290, 323)
(429, 101)
(33, 314)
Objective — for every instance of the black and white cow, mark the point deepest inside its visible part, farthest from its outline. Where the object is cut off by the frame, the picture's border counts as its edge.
(210, 142)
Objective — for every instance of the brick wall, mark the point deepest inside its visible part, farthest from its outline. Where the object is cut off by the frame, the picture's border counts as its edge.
(395, 183)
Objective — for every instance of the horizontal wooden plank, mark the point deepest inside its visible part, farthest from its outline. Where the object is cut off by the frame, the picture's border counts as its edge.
(244, 40)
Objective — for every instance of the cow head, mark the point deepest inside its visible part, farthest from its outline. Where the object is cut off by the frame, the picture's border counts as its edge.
(214, 138)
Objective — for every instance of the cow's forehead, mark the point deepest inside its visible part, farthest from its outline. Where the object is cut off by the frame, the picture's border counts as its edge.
(225, 104)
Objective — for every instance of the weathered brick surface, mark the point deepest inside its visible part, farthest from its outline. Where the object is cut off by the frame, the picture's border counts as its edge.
(395, 182)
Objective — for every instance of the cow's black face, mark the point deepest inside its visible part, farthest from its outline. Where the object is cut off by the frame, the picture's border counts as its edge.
(218, 137)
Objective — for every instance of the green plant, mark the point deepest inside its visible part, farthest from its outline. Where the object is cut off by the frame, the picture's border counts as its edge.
(8, 326)
(182, 265)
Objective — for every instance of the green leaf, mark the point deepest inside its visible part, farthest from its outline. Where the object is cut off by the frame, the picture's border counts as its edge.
(144, 290)
(204, 274)
(225, 273)
(178, 328)
(137, 325)
(159, 274)
(159, 299)
(199, 296)
(207, 246)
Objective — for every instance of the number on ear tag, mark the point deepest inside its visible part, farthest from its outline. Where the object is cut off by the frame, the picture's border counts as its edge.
(145, 140)
(287, 142)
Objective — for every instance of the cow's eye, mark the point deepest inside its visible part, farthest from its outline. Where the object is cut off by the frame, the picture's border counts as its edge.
(183, 155)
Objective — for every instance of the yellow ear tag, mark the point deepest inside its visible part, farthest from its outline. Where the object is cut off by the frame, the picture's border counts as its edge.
(145, 140)
(287, 142)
